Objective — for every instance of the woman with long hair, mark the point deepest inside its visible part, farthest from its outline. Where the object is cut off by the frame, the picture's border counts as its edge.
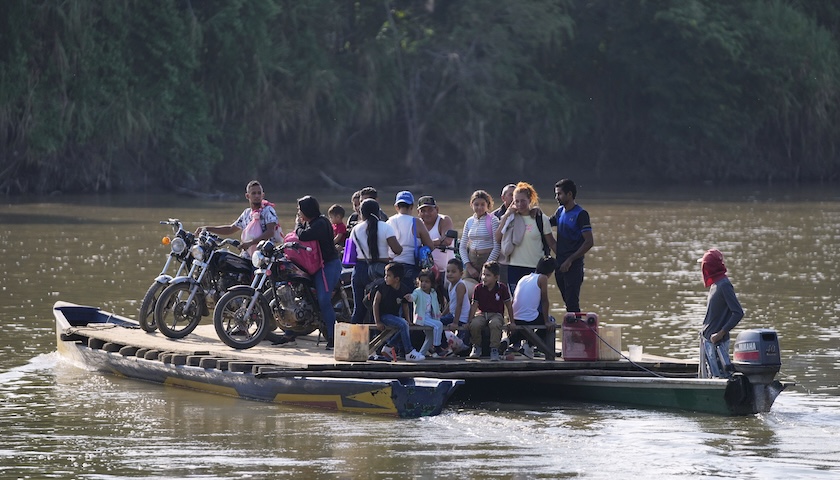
(372, 237)
(313, 225)
(478, 240)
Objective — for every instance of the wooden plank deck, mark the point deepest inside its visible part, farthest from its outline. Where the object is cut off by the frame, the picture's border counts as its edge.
(308, 356)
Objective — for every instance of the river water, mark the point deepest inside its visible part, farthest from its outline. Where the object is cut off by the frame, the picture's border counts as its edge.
(782, 253)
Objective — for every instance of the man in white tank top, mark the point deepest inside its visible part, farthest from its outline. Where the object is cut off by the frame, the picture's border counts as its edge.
(437, 225)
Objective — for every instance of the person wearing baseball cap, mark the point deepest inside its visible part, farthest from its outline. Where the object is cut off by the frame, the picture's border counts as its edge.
(723, 313)
(409, 232)
(437, 225)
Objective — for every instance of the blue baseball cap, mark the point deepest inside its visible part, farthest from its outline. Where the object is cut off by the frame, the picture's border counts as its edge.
(404, 197)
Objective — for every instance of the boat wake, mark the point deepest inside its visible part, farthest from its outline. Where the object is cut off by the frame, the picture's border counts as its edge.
(43, 362)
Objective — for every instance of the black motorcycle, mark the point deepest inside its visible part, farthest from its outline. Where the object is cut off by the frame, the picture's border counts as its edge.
(282, 295)
(188, 298)
(179, 252)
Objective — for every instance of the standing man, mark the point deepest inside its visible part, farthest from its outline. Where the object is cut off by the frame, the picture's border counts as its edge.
(507, 199)
(364, 194)
(257, 222)
(722, 315)
(574, 239)
(409, 232)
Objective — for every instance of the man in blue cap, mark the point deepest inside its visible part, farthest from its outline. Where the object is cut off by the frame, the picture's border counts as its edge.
(410, 233)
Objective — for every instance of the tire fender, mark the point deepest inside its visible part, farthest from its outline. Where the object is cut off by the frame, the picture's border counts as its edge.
(181, 279)
(164, 279)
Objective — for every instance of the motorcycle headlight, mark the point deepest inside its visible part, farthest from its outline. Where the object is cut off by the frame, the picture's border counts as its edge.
(257, 259)
(197, 252)
(178, 245)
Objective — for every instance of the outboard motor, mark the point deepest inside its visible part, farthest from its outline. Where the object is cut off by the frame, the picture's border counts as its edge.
(753, 387)
(757, 355)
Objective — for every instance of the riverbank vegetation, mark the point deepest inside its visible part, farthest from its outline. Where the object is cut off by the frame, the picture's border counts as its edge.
(199, 94)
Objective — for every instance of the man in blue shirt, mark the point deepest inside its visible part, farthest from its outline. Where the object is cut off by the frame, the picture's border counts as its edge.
(574, 239)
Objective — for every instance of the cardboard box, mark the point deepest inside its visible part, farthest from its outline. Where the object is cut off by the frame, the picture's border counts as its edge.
(351, 342)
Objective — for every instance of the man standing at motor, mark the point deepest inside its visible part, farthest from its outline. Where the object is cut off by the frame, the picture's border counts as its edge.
(574, 239)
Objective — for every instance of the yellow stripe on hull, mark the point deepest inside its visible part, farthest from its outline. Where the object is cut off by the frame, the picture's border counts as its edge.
(206, 387)
(382, 405)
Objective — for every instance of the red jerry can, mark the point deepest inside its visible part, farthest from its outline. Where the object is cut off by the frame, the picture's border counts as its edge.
(580, 336)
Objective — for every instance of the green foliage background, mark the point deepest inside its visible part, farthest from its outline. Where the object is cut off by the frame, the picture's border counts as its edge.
(127, 94)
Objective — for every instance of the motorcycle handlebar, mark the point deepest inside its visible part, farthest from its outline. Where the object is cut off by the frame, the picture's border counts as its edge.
(295, 246)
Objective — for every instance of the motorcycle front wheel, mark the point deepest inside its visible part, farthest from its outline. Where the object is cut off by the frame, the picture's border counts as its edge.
(233, 327)
(174, 316)
(146, 315)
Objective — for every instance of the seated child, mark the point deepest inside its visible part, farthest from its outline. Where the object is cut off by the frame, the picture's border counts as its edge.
(456, 311)
(386, 312)
(490, 299)
(336, 213)
(530, 302)
(427, 312)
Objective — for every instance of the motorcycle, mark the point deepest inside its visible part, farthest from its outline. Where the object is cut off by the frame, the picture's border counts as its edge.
(190, 297)
(281, 295)
(179, 252)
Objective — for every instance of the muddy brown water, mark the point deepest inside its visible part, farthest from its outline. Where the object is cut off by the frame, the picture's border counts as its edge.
(782, 253)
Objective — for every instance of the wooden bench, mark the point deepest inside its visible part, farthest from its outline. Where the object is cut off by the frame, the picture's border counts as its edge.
(544, 344)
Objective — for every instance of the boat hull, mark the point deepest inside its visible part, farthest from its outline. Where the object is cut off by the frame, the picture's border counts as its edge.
(716, 396)
(405, 398)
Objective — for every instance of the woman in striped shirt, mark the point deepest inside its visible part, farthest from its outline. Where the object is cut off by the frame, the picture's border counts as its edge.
(478, 239)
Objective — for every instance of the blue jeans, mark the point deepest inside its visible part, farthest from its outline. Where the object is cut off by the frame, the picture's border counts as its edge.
(710, 362)
(360, 279)
(410, 272)
(401, 325)
(332, 272)
(515, 273)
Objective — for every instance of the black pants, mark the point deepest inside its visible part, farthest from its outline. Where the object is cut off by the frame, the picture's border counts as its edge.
(517, 335)
(569, 284)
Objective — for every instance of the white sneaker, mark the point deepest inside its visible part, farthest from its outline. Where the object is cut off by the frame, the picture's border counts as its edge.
(390, 353)
(476, 352)
(527, 350)
(415, 356)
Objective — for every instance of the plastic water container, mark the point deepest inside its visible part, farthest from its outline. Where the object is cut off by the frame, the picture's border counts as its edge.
(610, 339)
(351, 342)
(580, 342)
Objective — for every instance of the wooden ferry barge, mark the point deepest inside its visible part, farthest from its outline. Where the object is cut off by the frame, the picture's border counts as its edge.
(307, 375)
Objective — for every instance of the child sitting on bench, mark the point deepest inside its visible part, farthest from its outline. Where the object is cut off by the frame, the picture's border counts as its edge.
(490, 299)
(386, 312)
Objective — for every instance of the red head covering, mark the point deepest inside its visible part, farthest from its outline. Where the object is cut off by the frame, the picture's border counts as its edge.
(712, 266)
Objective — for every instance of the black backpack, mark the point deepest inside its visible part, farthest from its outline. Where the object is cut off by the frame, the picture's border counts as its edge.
(370, 292)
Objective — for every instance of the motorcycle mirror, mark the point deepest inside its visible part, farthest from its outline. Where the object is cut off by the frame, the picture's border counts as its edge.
(266, 246)
(451, 234)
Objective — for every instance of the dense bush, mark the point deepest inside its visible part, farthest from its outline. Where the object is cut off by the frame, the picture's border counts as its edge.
(98, 96)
